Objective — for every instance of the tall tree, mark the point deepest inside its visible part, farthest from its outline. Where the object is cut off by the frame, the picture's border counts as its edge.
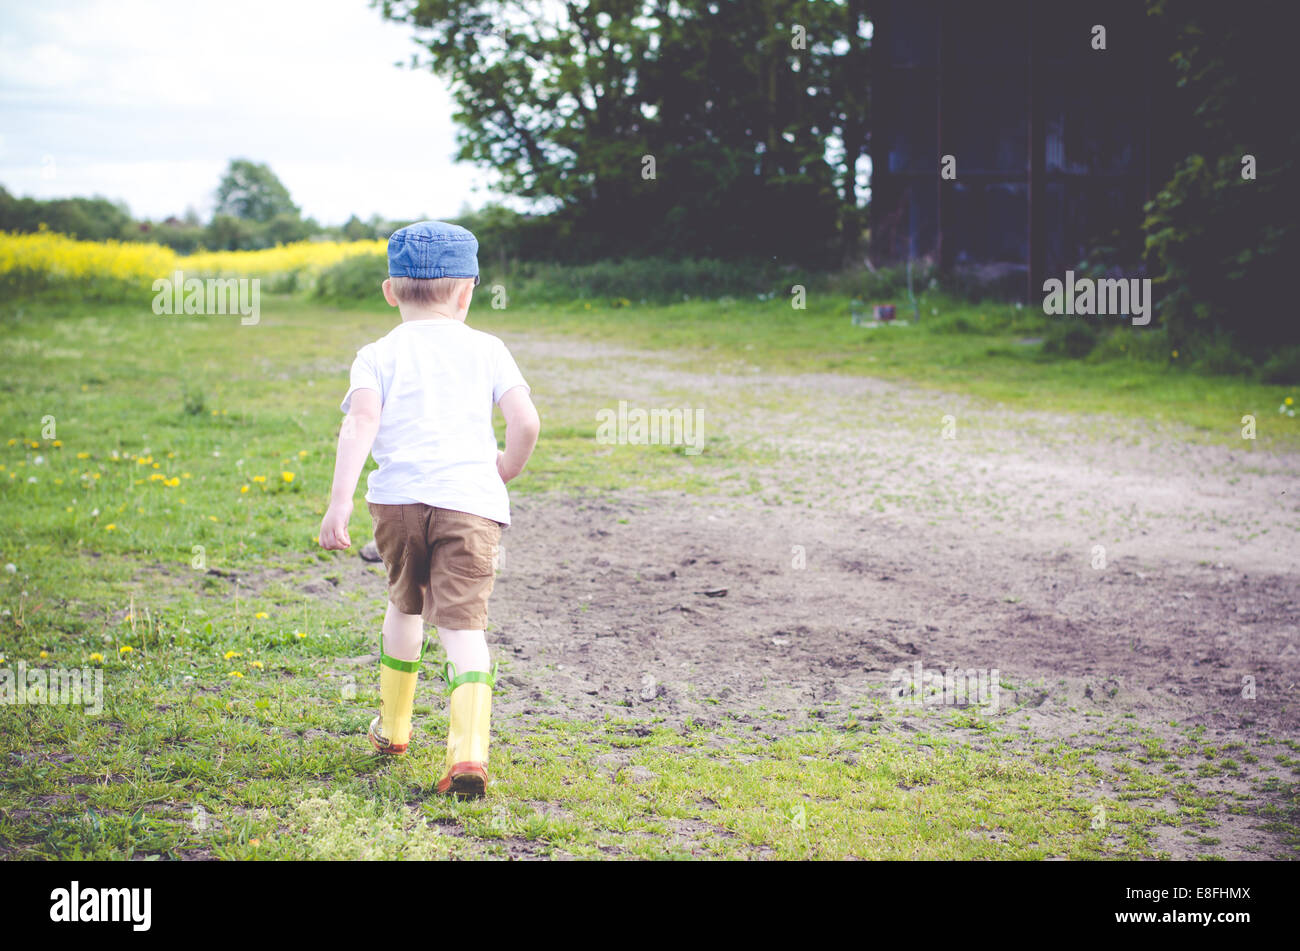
(652, 125)
(1222, 234)
(251, 191)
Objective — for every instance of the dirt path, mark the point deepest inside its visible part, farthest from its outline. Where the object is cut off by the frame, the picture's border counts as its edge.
(873, 543)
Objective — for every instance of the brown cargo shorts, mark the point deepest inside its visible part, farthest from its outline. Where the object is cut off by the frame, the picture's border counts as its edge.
(441, 563)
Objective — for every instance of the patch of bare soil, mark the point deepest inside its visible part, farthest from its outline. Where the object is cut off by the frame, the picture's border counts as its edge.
(1123, 579)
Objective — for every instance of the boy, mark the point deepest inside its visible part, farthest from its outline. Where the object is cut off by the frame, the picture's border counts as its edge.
(421, 398)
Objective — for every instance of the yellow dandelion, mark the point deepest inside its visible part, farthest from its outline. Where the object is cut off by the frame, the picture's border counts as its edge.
(172, 482)
(235, 673)
(259, 478)
(1175, 354)
(110, 527)
(243, 489)
(302, 453)
(97, 657)
(83, 455)
(299, 634)
(44, 655)
(261, 614)
(57, 444)
(257, 664)
(13, 442)
(126, 649)
(212, 518)
(286, 476)
(230, 655)
(1287, 401)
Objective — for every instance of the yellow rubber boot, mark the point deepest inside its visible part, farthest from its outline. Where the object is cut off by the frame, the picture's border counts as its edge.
(470, 715)
(390, 732)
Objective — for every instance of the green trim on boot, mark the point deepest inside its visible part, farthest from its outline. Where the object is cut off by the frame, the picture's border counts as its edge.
(405, 666)
(454, 679)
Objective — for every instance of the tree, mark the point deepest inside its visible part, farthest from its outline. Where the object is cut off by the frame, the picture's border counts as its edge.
(90, 219)
(356, 230)
(1221, 242)
(251, 191)
(688, 127)
(228, 233)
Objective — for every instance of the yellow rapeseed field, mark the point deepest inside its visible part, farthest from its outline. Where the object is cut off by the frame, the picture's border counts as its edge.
(60, 258)
(50, 258)
(298, 258)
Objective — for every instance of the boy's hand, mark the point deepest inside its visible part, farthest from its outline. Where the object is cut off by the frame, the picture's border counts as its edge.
(334, 527)
(355, 439)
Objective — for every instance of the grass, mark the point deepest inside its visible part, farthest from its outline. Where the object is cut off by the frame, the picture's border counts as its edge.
(252, 772)
(983, 350)
(162, 481)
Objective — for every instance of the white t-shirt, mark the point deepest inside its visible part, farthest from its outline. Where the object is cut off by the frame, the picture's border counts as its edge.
(437, 381)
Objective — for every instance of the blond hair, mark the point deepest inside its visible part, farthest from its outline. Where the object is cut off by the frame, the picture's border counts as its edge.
(423, 292)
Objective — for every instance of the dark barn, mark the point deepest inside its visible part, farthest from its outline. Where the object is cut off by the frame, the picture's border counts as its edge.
(1049, 137)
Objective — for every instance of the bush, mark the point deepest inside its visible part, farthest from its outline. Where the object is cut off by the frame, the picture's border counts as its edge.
(1221, 245)
(353, 279)
(1218, 355)
(642, 279)
(1072, 337)
(1283, 367)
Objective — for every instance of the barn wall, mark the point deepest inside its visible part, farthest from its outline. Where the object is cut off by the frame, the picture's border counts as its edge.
(969, 79)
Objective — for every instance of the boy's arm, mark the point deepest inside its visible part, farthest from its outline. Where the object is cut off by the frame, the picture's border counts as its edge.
(355, 440)
(522, 428)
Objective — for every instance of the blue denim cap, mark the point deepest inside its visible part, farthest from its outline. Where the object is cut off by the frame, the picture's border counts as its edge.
(429, 249)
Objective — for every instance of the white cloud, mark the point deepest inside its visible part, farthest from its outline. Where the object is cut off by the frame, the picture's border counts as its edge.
(146, 102)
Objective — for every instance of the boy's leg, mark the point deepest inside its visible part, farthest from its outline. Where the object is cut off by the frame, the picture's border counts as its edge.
(468, 650)
(399, 536)
(403, 633)
(463, 554)
(399, 671)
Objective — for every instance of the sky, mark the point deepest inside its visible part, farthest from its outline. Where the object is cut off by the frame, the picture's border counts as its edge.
(146, 102)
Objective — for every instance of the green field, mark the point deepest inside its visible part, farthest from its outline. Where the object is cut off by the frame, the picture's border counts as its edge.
(140, 454)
